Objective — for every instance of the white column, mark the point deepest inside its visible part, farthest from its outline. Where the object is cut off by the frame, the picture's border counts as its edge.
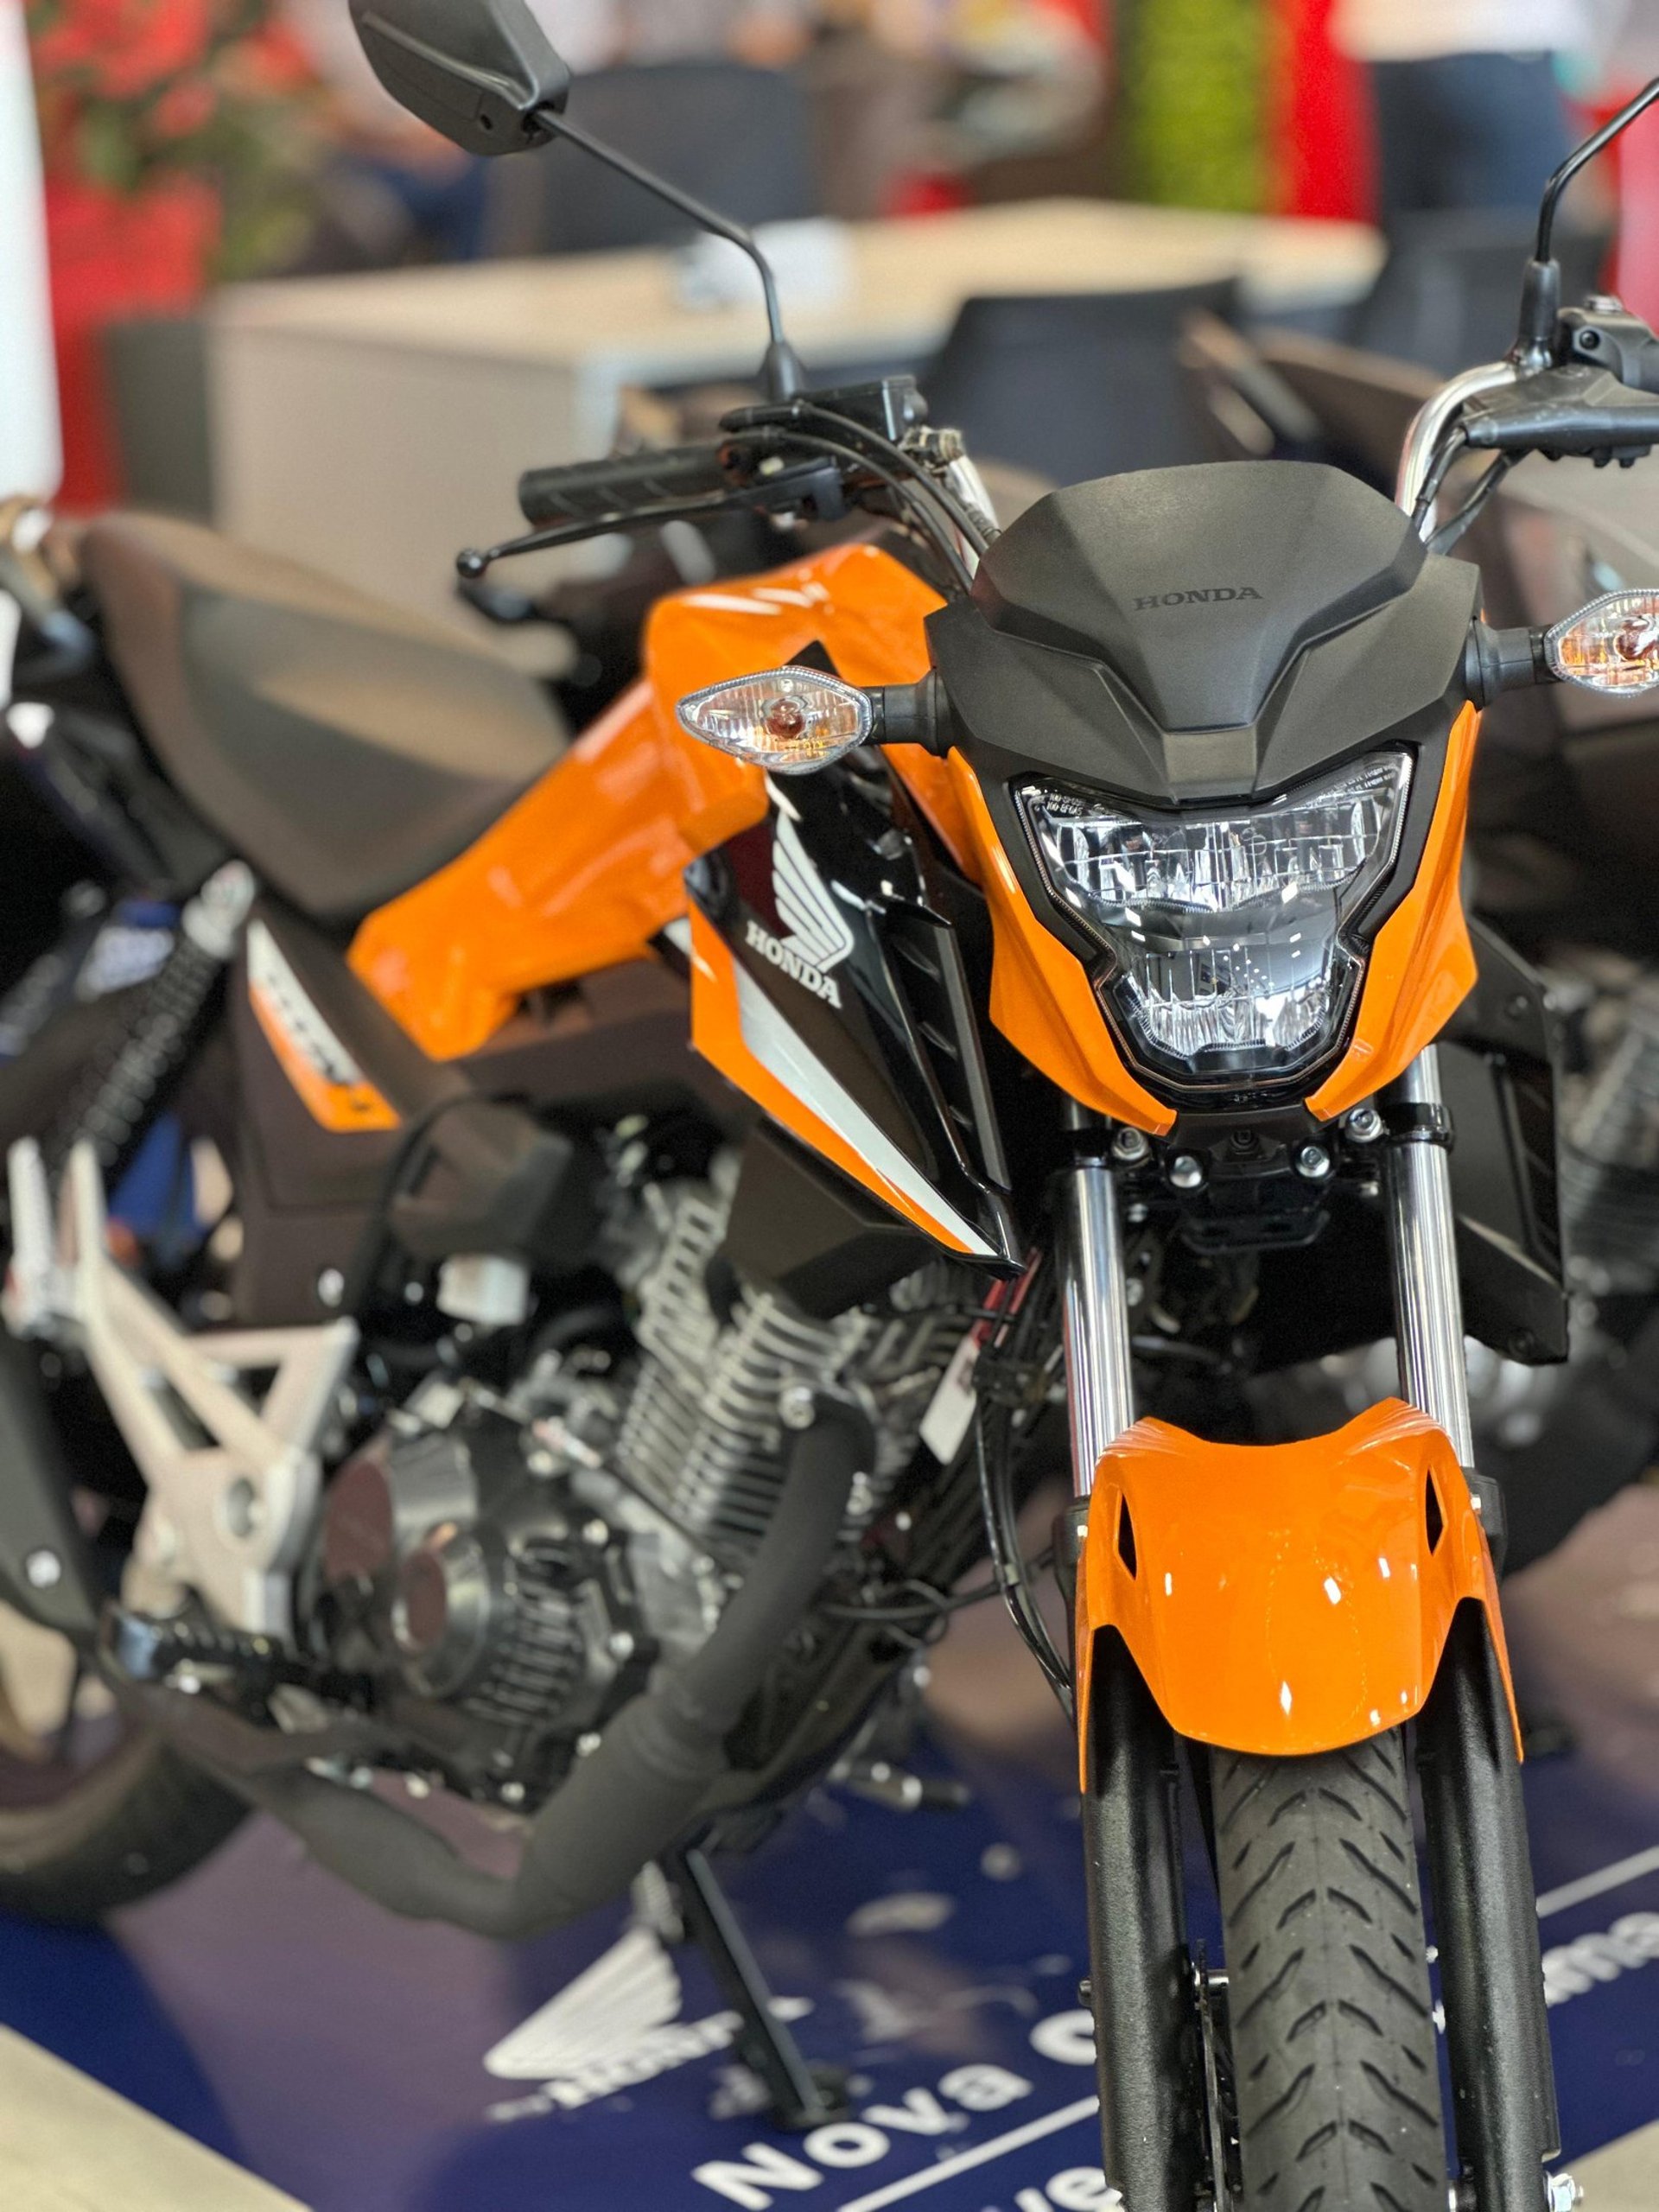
(31, 450)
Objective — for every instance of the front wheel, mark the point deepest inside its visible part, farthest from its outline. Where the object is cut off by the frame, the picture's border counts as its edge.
(1335, 2069)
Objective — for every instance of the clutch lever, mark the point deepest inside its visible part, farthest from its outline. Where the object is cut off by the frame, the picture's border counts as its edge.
(813, 483)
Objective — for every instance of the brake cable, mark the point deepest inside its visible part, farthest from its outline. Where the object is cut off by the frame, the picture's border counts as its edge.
(1450, 532)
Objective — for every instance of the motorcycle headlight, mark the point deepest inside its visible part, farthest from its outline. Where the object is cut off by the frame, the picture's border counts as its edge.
(1227, 930)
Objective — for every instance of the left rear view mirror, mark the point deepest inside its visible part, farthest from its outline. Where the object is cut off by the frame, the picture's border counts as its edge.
(1612, 645)
(480, 72)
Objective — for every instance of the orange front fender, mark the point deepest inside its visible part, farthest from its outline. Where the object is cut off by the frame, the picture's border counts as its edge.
(1286, 1599)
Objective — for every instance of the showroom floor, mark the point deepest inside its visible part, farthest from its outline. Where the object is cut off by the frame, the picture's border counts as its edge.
(361, 2065)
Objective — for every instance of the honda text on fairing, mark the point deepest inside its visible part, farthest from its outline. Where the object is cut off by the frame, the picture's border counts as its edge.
(644, 1217)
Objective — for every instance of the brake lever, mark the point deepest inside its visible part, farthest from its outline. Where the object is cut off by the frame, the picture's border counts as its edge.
(1578, 410)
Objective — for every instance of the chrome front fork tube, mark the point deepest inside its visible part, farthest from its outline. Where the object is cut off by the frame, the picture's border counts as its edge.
(1427, 1299)
(1099, 1374)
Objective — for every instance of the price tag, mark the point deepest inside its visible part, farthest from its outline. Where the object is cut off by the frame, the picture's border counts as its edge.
(946, 1422)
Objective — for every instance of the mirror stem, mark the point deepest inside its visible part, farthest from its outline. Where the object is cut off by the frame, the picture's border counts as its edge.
(782, 372)
(1542, 293)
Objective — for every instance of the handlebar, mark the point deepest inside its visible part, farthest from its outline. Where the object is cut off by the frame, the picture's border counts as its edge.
(589, 491)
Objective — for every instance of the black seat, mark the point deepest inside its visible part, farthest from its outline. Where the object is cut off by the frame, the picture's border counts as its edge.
(347, 749)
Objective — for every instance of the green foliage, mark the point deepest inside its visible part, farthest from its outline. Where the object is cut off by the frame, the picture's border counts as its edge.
(1193, 104)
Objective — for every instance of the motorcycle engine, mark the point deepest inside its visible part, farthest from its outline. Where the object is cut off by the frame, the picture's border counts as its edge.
(529, 1557)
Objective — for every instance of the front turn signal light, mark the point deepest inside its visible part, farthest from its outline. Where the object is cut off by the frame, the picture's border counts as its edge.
(1612, 645)
(790, 719)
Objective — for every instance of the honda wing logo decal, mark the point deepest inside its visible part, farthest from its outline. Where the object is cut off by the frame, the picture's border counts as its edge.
(818, 937)
(616, 2026)
(605, 2014)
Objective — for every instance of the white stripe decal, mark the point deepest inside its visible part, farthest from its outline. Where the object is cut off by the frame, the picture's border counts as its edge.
(965, 2161)
(781, 1053)
(1592, 1885)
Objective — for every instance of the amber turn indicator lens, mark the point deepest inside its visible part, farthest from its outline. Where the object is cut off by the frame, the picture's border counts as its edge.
(788, 720)
(1613, 645)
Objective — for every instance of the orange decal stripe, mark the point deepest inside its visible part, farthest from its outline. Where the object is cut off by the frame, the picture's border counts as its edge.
(345, 1108)
(1423, 966)
(1041, 998)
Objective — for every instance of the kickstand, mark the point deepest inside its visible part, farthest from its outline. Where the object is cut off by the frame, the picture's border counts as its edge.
(801, 2095)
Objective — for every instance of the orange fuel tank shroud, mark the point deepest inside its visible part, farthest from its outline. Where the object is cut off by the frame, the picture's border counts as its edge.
(1422, 965)
(586, 869)
(1285, 1600)
(1041, 998)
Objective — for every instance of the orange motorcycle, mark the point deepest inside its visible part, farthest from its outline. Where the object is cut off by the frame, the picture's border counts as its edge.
(657, 1210)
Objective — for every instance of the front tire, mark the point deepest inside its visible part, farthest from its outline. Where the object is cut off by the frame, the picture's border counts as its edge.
(1337, 2072)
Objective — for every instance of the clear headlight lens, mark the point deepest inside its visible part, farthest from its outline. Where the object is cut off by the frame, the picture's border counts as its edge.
(1226, 928)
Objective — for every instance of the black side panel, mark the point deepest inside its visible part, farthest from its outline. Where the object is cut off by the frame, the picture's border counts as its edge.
(855, 987)
(619, 1042)
(1500, 1064)
(813, 1234)
(305, 1195)
(470, 1165)
(479, 1176)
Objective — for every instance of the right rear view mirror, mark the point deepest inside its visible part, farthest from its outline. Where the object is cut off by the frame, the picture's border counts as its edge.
(480, 72)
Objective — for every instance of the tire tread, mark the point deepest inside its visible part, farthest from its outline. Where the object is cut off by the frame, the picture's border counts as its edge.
(1333, 2037)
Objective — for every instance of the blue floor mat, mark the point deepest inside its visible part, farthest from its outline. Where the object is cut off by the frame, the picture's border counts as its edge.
(273, 2014)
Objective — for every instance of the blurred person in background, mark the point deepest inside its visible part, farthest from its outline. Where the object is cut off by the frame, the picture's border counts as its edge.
(1469, 109)
(765, 33)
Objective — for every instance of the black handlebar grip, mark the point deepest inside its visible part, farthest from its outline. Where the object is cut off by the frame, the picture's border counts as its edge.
(588, 490)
